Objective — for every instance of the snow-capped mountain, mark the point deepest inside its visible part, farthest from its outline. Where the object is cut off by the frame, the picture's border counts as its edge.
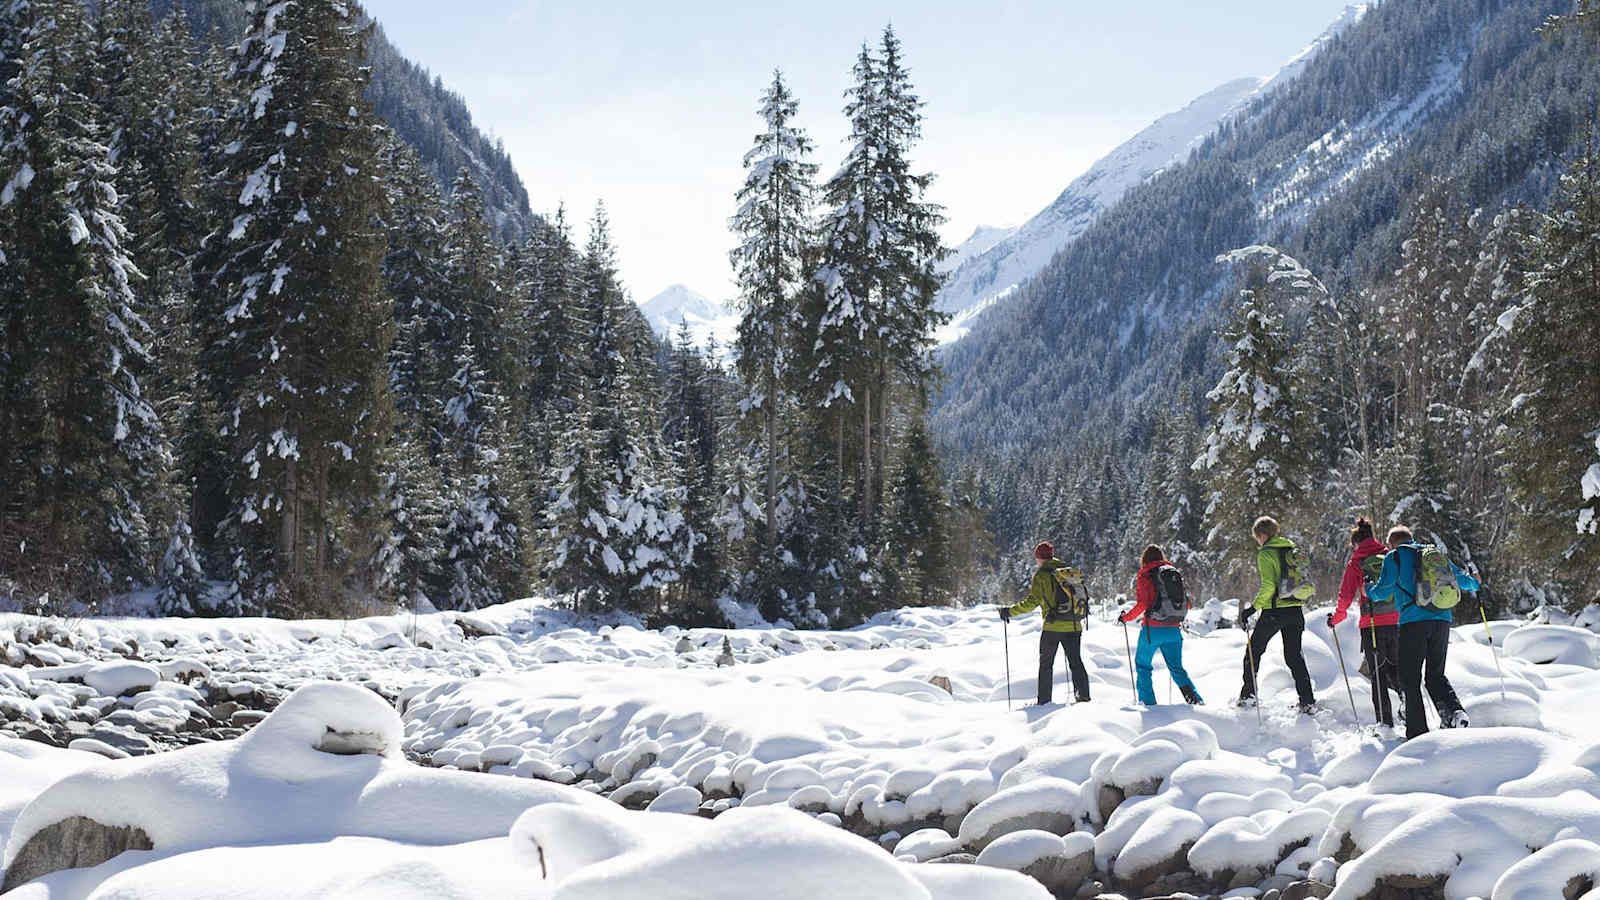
(706, 317)
(978, 243)
(980, 277)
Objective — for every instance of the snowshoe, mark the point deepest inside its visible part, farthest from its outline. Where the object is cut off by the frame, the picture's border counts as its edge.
(1245, 703)
(1191, 697)
(1307, 709)
(1459, 720)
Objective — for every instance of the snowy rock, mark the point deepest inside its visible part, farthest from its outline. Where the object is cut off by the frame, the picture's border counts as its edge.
(1306, 890)
(1158, 847)
(975, 883)
(1071, 759)
(1477, 761)
(1059, 863)
(1048, 804)
(1569, 869)
(1464, 847)
(558, 840)
(1490, 711)
(680, 799)
(925, 844)
(122, 678)
(788, 854)
(91, 745)
(280, 783)
(1254, 846)
(1555, 645)
(70, 843)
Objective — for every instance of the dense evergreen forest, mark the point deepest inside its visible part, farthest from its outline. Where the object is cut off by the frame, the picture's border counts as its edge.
(1425, 189)
(257, 361)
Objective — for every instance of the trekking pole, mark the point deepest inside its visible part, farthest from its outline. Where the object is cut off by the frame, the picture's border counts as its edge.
(1250, 660)
(1499, 671)
(1346, 673)
(1129, 647)
(1005, 629)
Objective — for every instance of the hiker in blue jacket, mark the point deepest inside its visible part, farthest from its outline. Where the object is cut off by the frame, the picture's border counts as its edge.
(1424, 634)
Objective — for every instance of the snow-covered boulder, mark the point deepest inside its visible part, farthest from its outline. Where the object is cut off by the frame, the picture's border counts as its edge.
(774, 852)
(1463, 847)
(1059, 863)
(1047, 804)
(1159, 846)
(120, 678)
(1555, 644)
(1254, 845)
(925, 844)
(1472, 762)
(323, 765)
(1569, 868)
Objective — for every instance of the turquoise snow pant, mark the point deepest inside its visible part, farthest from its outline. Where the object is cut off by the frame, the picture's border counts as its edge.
(1170, 642)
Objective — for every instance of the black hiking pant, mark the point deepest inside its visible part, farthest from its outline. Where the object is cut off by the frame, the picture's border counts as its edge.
(1380, 647)
(1072, 642)
(1289, 621)
(1426, 644)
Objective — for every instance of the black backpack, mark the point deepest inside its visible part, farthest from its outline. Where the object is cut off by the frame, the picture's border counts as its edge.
(1171, 602)
(1072, 596)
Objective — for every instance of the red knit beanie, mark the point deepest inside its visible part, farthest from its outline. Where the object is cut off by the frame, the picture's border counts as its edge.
(1044, 551)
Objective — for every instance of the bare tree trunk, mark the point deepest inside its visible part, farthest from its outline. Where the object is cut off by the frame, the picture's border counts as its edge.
(288, 523)
(772, 466)
(866, 459)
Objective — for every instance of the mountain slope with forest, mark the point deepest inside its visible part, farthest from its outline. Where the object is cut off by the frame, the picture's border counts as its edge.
(1065, 386)
(432, 119)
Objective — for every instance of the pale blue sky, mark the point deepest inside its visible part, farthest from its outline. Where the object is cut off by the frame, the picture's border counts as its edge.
(652, 105)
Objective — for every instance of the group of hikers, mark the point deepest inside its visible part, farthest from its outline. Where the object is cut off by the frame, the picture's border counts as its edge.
(1405, 589)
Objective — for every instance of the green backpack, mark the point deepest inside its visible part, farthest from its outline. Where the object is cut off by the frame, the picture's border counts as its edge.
(1436, 579)
(1371, 574)
(1072, 596)
(1293, 581)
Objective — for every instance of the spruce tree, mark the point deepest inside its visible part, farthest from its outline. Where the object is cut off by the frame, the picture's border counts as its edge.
(616, 527)
(916, 537)
(774, 224)
(1254, 452)
(85, 449)
(297, 326)
(1556, 433)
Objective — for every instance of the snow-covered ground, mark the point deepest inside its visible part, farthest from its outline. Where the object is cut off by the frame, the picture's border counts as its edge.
(807, 764)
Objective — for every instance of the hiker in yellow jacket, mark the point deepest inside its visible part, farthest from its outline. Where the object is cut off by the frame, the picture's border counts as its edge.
(1063, 620)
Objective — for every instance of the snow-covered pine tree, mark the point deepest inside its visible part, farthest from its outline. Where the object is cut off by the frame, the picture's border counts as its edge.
(408, 566)
(551, 357)
(1555, 436)
(84, 447)
(1254, 454)
(880, 246)
(147, 101)
(482, 541)
(693, 435)
(774, 224)
(617, 523)
(478, 295)
(297, 328)
(916, 539)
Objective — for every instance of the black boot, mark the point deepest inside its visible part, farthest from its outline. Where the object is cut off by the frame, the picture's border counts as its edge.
(1190, 696)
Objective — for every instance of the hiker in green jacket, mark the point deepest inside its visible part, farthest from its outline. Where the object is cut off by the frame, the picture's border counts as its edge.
(1064, 607)
(1281, 602)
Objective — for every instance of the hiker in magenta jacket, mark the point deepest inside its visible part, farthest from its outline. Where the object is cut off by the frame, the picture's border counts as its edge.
(1165, 635)
(1380, 621)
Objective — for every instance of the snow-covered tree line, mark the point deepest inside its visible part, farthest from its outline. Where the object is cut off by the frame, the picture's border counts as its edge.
(255, 360)
(839, 507)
